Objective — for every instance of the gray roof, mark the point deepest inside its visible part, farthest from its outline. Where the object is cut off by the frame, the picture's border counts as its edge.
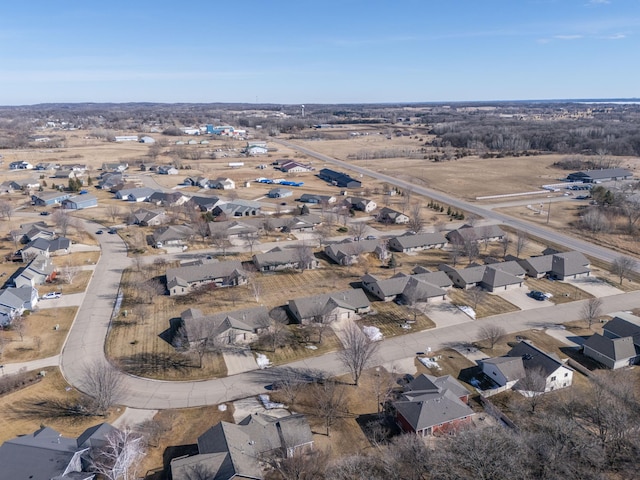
(624, 325)
(348, 248)
(540, 264)
(613, 348)
(138, 192)
(603, 173)
(172, 232)
(439, 279)
(511, 367)
(420, 240)
(232, 227)
(207, 271)
(495, 277)
(569, 263)
(432, 401)
(247, 319)
(467, 232)
(534, 358)
(277, 256)
(350, 299)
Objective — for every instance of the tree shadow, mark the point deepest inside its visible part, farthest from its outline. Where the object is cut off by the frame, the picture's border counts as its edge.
(148, 363)
(378, 428)
(46, 409)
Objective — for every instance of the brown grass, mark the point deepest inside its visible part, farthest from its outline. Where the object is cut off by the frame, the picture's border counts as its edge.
(562, 292)
(40, 325)
(489, 306)
(52, 387)
(390, 318)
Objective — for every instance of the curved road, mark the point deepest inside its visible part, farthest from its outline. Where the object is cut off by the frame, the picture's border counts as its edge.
(572, 243)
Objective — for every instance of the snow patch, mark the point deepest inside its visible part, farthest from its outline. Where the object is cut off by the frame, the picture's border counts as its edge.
(373, 333)
(468, 310)
(268, 404)
(222, 407)
(262, 360)
(429, 363)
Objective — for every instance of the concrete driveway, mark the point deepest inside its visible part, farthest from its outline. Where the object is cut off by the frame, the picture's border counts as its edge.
(518, 296)
(446, 314)
(239, 361)
(72, 300)
(595, 286)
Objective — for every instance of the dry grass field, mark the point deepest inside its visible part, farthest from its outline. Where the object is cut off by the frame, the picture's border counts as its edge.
(488, 306)
(40, 339)
(21, 414)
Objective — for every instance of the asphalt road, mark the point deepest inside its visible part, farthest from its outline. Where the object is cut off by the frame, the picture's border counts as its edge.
(554, 236)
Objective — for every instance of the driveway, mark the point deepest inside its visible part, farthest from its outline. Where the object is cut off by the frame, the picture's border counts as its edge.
(71, 300)
(239, 360)
(595, 286)
(446, 314)
(518, 296)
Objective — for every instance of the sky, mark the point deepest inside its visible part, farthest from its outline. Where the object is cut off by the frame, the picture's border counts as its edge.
(303, 51)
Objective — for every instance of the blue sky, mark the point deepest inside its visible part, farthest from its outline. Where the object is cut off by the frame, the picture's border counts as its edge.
(302, 51)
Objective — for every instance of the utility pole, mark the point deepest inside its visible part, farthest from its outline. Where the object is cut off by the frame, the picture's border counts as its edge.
(549, 212)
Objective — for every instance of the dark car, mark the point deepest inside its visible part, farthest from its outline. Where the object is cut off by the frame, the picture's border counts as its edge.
(112, 231)
(99, 232)
(536, 295)
(44, 213)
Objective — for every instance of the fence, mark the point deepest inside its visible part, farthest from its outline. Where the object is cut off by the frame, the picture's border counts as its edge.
(495, 412)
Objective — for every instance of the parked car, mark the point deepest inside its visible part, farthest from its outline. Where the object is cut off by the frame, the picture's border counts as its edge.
(112, 231)
(537, 295)
(370, 237)
(99, 232)
(50, 295)
(44, 213)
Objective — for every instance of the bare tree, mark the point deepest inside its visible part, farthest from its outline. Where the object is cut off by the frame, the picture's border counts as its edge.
(120, 457)
(69, 273)
(221, 240)
(201, 227)
(329, 403)
(630, 209)
(321, 320)
(358, 351)
(322, 233)
(304, 256)
(492, 333)
(309, 465)
(522, 240)
(382, 385)
(595, 221)
(471, 249)
(201, 336)
(19, 325)
(532, 386)
(416, 220)
(477, 296)
(623, 267)
(274, 329)
(591, 311)
(62, 220)
(505, 241)
(250, 240)
(6, 209)
(103, 383)
(359, 230)
(455, 252)
(113, 212)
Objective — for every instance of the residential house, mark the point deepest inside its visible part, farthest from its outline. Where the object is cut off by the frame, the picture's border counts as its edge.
(528, 362)
(168, 170)
(20, 165)
(234, 451)
(125, 138)
(600, 175)
(111, 181)
(279, 192)
(619, 344)
(239, 327)
(204, 204)
(24, 184)
(237, 208)
(279, 258)
(147, 139)
(468, 233)
(416, 242)
(388, 215)
(493, 277)
(45, 247)
(167, 199)
(198, 181)
(32, 231)
(46, 455)
(172, 235)
(360, 204)
(425, 287)
(183, 280)
(561, 266)
(65, 174)
(80, 202)
(232, 229)
(44, 166)
(335, 306)
(347, 251)
(44, 199)
(9, 186)
(222, 183)
(148, 218)
(116, 167)
(317, 199)
(15, 301)
(136, 194)
(339, 179)
(433, 405)
(38, 271)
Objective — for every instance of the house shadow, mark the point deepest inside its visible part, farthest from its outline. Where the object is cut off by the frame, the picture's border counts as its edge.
(357, 284)
(169, 454)
(575, 354)
(475, 376)
(169, 335)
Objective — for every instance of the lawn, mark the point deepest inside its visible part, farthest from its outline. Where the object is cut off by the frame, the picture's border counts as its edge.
(298, 348)
(561, 292)
(393, 319)
(21, 414)
(40, 339)
(488, 305)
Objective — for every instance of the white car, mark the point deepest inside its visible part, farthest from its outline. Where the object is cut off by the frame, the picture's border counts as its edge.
(51, 295)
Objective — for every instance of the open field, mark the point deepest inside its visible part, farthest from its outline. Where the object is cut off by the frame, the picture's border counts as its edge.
(17, 419)
(40, 339)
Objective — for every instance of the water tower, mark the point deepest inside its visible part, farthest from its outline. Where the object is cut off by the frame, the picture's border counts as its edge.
(302, 106)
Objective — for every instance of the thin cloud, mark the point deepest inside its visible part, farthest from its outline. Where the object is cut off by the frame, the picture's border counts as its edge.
(597, 3)
(567, 37)
(617, 36)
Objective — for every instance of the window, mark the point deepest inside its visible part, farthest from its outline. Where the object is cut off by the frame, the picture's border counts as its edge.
(553, 379)
(566, 375)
